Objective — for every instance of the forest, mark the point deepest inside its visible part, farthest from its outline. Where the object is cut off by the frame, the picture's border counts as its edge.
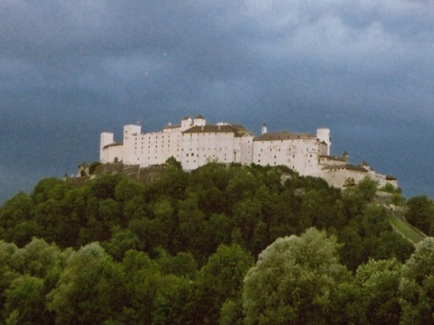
(218, 245)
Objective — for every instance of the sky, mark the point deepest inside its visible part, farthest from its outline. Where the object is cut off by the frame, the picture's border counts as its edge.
(70, 70)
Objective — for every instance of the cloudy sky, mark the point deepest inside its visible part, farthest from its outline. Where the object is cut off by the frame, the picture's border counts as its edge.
(72, 69)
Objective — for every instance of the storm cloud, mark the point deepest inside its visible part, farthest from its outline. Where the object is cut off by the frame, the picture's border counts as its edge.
(72, 69)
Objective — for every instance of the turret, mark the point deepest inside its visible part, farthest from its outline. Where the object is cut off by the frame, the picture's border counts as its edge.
(323, 135)
(186, 123)
(131, 130)
(106, 139)
(199, 121)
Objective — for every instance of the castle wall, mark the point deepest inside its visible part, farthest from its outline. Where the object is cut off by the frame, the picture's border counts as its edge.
(113, 153)
(338, 177)
(202, 147)
(194, 144)
(299, 154)
(243, 150)
(130, 136)
(323, 135)
(109, 150)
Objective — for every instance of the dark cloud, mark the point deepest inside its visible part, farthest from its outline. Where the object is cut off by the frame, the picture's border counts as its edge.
(71, 69)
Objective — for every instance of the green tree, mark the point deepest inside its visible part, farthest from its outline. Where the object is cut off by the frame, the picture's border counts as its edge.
(75, 300)
(292, 281)
(14, 211)
(220, 279)
(142, 284)
(417, 285)
(25, 302)
(38, 259)
(379, 283)
(171, 301)
(420, 213)
(368, 188)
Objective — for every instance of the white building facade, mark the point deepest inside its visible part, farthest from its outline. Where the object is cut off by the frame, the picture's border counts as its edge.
(195, 143)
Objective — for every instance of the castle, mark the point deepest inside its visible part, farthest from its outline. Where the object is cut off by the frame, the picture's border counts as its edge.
(194, 143)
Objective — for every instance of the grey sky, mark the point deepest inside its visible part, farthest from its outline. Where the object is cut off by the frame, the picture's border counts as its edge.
(71, 69)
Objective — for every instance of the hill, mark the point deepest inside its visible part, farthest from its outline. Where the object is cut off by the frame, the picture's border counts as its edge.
(187, 238)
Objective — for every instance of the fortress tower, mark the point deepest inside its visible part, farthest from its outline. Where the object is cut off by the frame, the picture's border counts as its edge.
(131, 133)
(324, 136)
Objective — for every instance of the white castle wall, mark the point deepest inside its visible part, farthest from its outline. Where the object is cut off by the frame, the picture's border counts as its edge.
(194, 144)
(323, 135)
(199, 148)
(299, 152)
(109, 150)
(243, 150)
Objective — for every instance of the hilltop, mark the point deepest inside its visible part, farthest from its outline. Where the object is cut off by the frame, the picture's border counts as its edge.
(180, 232)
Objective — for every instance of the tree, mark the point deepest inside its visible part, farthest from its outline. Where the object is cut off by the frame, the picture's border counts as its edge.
(75, 300)
(93, 166)
(25, 302)
(420, 213)
(38, 259)
(417, 285)
(368, 188)
(292, 280)
(379, 283)
(220, 279)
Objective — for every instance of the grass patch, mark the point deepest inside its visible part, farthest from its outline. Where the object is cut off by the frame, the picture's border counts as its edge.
(406, 230)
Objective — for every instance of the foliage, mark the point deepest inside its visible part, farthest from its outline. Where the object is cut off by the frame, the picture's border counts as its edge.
(420, 213)
(176, 250)
(292, 280)
(417, 285)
